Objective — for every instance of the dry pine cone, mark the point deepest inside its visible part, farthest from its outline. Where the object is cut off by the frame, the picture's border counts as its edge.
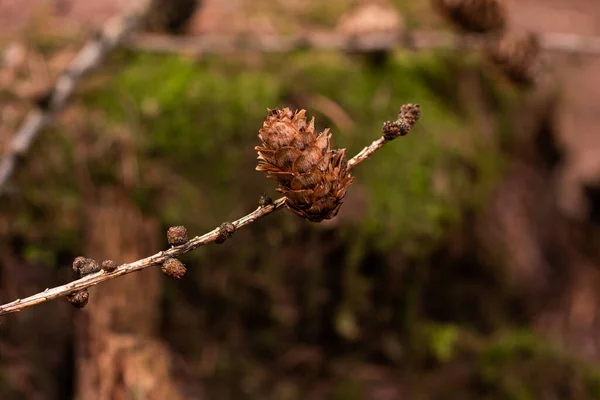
(370, 18)
(313, 177)
(170, 15)
(477, 16)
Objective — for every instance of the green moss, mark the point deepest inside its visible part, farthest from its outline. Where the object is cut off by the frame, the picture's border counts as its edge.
(187, 112)
(442, 340)
(520, 365)
(514, 364)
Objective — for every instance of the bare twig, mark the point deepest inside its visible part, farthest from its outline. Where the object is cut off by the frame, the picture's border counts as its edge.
(569, 43)
(174, 252)
(367, 152)
(336, 41)
(88, 58)
(156, 259)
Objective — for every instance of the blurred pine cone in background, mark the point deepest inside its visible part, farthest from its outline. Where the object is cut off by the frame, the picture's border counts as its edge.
(517, 55)
(313, 177)
(169, 16)
(371, 17)
(477, 16)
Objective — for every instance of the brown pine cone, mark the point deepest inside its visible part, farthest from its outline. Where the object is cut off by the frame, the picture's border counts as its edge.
(169, 15)
(313, 177)
(517, 55)
(371, 18)
(477, 16)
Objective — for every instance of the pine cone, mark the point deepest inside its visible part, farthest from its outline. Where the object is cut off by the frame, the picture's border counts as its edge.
(371, 18)
(517, 55)
(313, 177)
(170, 15)
(477, 16)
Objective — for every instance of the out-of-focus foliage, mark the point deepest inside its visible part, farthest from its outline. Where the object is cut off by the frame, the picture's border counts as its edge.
(285, 304)
(203, 120)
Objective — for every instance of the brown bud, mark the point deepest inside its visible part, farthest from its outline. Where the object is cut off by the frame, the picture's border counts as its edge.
(85, 266)
(109, 265)
(265, 200)
(173, 268)
(408, 115)
(226, 230)
(177, 235)
(392, 129)
(79, 299)
(410, 112)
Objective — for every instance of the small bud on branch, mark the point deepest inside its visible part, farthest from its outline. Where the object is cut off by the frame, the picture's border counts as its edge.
(79, 299)
(85, 266)
(109, 266)
(173, 268)
(264, 200)
(177, 235)
(226, 231)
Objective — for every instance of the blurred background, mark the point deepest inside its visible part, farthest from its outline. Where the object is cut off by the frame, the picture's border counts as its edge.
(464, 263)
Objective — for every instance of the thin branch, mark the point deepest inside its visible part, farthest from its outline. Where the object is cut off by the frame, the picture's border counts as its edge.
(88, 58)
(336, 41)
(569, 43)
(156, 259)
(177, 251)
(367, 152)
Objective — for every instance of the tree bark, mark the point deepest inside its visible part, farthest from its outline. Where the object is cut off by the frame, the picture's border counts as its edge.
(118, 354)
